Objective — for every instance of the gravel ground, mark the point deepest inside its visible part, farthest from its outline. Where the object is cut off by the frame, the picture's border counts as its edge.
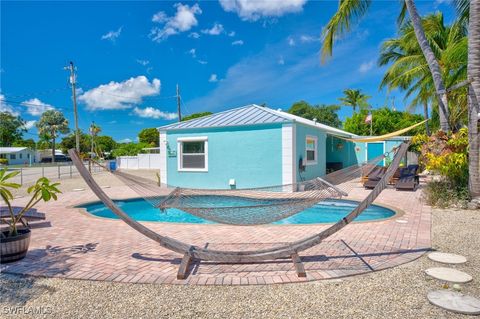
(394, 293)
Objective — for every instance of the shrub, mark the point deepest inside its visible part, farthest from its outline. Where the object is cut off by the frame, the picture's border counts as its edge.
(447, 155)
(3, 161)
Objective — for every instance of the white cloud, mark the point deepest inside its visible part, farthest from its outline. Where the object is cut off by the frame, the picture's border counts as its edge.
(143, 62)
(150, 112)
(112, 35)
(237, 42)
(202, 61)
(231, 33)
(291, 41)
(30, 124)
(216, 29)
(5, 107)
(120, 95)
(194, 35)
(308, 38)
(36, 107)
(366, 66)
(213, 78)
(183, 20)
(125, 140)
(253, 10)
(281, 60)
(193, 53)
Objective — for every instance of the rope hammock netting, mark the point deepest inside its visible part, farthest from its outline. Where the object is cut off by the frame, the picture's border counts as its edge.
(252, 206)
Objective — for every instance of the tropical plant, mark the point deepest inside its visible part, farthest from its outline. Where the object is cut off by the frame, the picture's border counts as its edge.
(409, 70)
(11, 128)
(384, 120)
(52, 123)
(445, 154)
(43, 189)
(149, 136)
(325, 114)
(473, 71)
(349, 11)
(355, 99)
(129, 149)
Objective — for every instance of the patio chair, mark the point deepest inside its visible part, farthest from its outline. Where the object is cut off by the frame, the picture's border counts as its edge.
(409, 179)
(375, 176)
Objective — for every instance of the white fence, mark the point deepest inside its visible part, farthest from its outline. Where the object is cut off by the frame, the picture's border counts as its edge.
(141, 161)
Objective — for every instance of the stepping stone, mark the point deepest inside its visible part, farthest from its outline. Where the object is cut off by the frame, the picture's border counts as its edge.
(106, 186)
(447, 258)
(454, 301)
(78, 189)
(401, 221)
(448, 274)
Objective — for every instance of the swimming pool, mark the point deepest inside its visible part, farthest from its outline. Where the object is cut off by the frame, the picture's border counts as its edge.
(328, 211)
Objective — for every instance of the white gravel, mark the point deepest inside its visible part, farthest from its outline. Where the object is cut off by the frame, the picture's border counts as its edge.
(395, 293)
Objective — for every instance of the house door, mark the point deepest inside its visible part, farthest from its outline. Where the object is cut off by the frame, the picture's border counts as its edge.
(375, 150)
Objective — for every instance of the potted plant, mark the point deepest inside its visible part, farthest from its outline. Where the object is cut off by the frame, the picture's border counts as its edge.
(14, 241)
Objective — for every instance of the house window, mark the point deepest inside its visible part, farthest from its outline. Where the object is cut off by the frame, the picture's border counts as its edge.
(311, 150)
(20, 155)
(12, 156)
(193, 154)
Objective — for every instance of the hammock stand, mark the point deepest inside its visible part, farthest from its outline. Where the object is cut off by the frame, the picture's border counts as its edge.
(191, 252)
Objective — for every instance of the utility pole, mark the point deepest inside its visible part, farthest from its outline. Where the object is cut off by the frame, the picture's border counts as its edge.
(92, 132)
(178, 104)
(71, 68)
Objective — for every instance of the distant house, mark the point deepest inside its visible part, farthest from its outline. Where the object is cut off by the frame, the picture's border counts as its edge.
(254, 146)
(17, 155)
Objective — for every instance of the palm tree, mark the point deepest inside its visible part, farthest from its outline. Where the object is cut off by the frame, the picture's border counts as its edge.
(52, 123)
(474, 97)
(354, 98)
(351, 10)
(409, 70)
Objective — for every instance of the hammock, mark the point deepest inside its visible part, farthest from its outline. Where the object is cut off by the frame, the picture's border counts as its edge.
(253, 206)
(195, 252)
(385, 136)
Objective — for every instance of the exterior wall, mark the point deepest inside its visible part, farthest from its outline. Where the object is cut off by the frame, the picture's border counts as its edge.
(341, 151)
(251, 155)
(318, 169)
(22, 157)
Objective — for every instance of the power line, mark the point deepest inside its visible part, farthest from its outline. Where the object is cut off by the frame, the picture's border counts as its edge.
(36, 93)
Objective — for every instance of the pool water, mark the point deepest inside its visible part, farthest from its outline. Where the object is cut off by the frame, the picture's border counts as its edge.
(328, 211)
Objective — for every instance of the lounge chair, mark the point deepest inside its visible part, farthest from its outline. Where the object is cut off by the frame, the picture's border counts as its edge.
(409, 179)
(375, 176)
(31, 215)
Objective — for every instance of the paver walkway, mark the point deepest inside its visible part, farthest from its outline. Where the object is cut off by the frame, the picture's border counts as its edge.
(74, 244)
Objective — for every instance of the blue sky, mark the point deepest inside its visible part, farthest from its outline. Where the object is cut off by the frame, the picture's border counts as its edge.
(223, 54)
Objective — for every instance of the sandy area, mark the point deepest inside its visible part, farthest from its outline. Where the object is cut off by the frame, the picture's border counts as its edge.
(394, 293)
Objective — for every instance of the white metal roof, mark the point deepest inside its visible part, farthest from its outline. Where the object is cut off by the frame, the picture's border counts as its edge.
(7, 150)
(250, 115)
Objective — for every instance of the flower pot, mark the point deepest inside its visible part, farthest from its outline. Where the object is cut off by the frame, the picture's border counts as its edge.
(14, 248)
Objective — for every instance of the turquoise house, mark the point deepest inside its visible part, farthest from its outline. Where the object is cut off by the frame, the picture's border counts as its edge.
(254, 146)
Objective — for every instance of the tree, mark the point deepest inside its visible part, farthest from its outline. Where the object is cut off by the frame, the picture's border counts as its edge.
(349, 11)
(195, 116)
(354, 98)
(325, 114)
(53, 123)
(30, 143)
(129, 149)
(149, 136)
(11, 128)
(409, 71)
(384, 120)
(473, 71)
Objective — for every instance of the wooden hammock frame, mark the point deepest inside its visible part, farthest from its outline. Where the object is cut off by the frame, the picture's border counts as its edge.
(191, 252)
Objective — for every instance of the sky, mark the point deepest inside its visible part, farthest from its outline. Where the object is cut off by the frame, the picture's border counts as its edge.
(129, 57)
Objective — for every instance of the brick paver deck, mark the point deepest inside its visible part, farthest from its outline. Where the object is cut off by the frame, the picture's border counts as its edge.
(74, 244)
